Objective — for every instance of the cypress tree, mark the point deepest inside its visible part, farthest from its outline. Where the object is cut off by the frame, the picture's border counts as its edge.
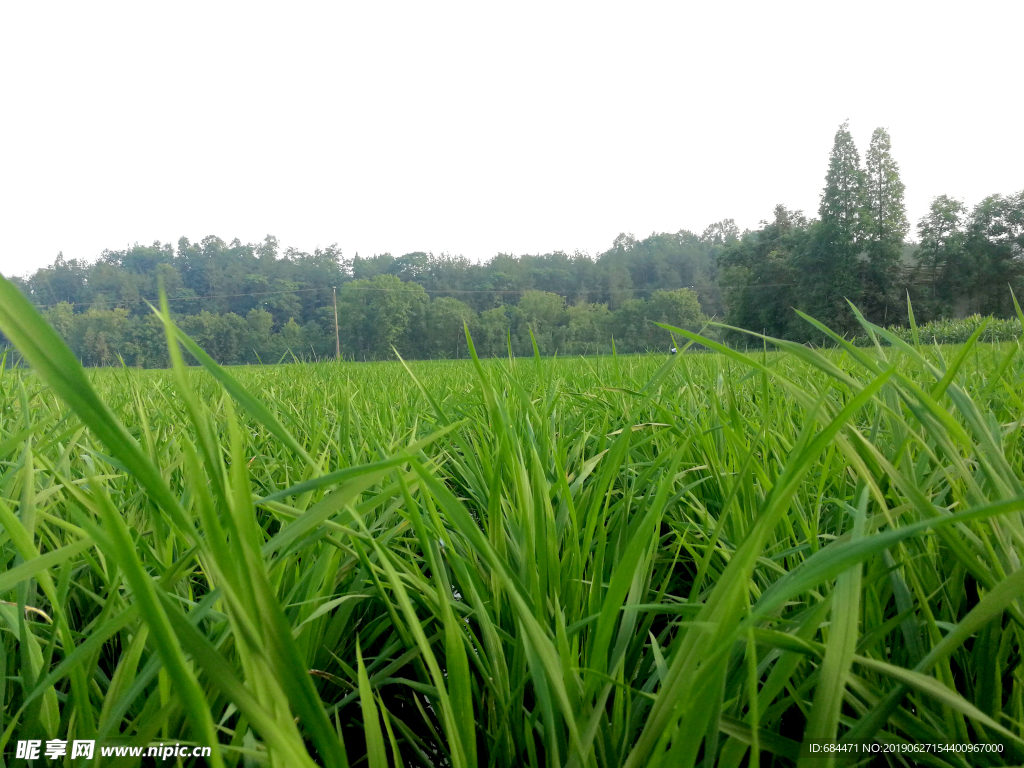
(842, 200)
(884, 227)
(828, 266)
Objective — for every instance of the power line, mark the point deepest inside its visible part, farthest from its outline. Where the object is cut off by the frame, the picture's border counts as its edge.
(349, 287)
(345, 286)
(194, 298)
(794, 285)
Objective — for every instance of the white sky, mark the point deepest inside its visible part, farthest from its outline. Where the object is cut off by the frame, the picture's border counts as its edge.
(475, 128)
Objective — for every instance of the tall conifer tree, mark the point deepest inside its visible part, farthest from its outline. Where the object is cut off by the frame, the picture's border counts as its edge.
(884, 227)
(828, 266)
(842, 200)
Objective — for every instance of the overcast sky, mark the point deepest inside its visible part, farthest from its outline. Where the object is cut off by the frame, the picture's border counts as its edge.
(479, 128)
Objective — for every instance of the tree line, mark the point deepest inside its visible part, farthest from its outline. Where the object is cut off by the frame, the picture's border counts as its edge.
(247, 303)
(257, 302)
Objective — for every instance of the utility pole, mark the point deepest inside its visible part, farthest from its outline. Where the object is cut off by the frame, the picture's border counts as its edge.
(337, 338)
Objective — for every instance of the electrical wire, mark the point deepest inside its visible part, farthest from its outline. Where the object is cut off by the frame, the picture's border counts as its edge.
(349, 287)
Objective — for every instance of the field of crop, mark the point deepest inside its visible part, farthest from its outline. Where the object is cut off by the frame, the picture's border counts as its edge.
(956, 331)
(712, 558)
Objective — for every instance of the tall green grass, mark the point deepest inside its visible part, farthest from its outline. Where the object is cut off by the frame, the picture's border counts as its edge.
(710, 559)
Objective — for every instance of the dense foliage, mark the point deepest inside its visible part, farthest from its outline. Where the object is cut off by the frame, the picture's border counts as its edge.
(251, 303)
(632, 560)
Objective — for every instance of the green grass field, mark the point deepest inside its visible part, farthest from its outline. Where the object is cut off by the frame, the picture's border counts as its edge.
(709, 559)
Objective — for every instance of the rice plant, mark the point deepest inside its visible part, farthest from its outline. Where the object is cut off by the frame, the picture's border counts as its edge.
(704, 559)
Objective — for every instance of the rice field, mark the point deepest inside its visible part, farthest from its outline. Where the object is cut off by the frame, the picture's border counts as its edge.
(715, 558)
